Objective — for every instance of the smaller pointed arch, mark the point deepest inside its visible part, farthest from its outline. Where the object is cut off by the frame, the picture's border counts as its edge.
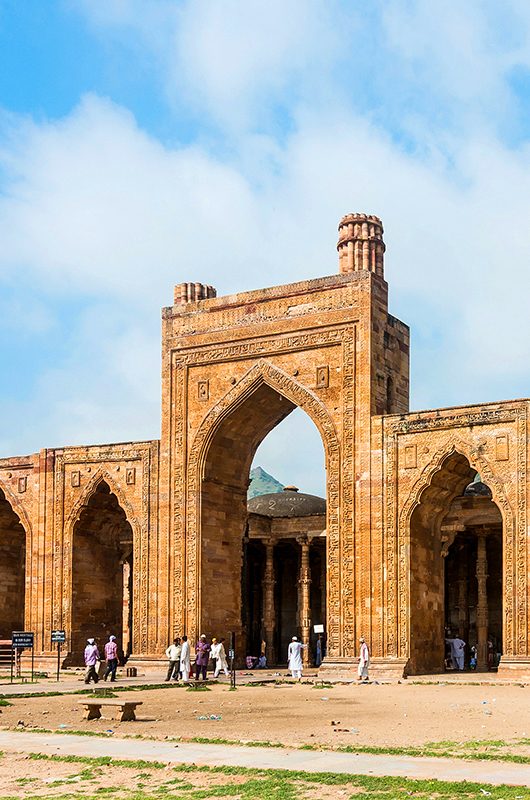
(14, 544)
(101, 541)
(436, 514)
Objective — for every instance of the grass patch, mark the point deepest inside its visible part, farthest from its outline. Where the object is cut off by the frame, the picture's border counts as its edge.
(264, 784)
(57, 692)
(245, 743)
(198, 687)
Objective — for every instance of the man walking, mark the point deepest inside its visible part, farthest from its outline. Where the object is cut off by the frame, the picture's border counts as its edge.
(220, 660)
(173, 653)
(364, 661)
(202, 656)
(111, 657)
(91, 659)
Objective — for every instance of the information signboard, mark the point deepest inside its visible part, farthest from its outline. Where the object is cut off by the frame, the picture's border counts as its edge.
(22, 640)
(58, 637)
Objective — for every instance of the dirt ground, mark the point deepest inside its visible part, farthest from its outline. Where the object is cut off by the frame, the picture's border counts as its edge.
(295, 714)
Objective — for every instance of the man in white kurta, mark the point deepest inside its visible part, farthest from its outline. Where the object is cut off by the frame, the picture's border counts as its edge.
(220, 656)
(185, 665)
(364, 660)
(294, 656)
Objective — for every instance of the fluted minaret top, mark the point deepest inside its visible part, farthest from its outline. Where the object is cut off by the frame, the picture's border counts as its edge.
(361, 246)
(191, 292)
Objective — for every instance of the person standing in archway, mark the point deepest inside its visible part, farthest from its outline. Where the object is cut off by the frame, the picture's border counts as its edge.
(457, 652)
(294, 655)
(91, 659)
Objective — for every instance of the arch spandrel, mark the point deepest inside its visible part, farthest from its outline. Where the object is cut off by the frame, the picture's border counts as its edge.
(17, 507)
(455, 446)
(262, 373)
(101, 476)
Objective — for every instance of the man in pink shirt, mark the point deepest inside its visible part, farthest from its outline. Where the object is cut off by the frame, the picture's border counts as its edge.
(111, 657)
(91, 659)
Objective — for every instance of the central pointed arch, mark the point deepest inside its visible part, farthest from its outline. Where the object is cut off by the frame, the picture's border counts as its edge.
(218, 466)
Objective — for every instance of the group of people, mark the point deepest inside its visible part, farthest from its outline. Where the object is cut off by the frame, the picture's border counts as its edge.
(93, 660)
(456, 654)
(179, 658)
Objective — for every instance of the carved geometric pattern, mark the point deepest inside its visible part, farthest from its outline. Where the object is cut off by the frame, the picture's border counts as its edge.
(203, 390)
(322, 377)
(411, 456)
(502, 452)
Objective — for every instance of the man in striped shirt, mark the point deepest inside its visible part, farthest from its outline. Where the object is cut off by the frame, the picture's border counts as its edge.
(111, 657)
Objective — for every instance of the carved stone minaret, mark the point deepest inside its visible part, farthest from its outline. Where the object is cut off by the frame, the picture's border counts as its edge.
(360, 245)
(191, 292)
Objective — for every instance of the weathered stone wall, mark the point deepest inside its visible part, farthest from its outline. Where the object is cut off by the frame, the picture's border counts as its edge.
(49, 492)
(427, 458)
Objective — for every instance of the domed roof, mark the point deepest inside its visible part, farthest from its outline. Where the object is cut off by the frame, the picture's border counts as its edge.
(477, 488)
(289, 503)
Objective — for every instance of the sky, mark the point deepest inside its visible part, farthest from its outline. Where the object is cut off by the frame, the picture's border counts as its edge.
(148, 142)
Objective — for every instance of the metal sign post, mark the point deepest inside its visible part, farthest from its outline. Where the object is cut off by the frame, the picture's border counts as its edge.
(58, 637)
(232, 657)
(23, 640)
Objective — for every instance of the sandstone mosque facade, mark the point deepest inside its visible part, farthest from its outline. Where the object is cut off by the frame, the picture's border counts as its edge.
(152, 539)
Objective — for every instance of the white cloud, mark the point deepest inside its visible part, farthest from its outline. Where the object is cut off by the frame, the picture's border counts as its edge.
(93, 207)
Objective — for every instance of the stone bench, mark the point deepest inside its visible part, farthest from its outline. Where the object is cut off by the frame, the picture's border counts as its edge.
(125, 708)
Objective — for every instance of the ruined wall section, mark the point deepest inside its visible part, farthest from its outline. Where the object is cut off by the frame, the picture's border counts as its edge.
(48, 492)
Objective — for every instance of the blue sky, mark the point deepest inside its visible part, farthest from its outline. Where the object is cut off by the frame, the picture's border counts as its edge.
(128, 128)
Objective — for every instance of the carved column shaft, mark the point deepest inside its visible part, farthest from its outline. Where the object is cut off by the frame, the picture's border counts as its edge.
(482, 602)
(126, 632)
(463, 601)
(268, 601)
(304, 597)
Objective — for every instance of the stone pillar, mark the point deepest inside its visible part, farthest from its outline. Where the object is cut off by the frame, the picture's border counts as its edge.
(269, 615)
(126, 613)
(269, 611)
(463, 601)
(323, 590)
(304, 596)
(482, 602)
